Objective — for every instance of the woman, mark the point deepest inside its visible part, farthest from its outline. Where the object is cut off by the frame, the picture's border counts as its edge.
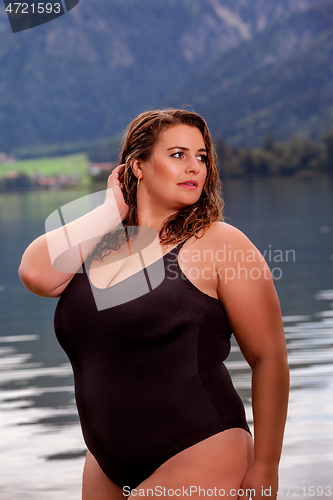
(156, 404)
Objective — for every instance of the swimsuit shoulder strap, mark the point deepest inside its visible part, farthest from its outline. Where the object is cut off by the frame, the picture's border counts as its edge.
(179, 247)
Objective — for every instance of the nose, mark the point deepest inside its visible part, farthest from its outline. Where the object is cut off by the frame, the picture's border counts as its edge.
(193, 165)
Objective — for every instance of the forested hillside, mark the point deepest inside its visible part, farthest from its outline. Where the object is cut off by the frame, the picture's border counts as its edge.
(81, 77)
(278, 82)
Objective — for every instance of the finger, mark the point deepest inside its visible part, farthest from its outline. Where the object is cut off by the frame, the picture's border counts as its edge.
(114, 177)
(118, 172)
(120, 169)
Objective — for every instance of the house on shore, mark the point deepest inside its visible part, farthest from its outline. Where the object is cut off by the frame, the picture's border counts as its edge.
(99, 172)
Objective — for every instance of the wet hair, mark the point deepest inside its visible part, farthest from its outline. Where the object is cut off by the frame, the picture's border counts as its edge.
(140, 141)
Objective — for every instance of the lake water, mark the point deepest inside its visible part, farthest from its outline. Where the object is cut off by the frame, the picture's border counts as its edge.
(290, 220)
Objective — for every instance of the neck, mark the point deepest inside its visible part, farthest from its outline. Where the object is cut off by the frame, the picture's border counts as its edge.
(152, 219)
(152, 215)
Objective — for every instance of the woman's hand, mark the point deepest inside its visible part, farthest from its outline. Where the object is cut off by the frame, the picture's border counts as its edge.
(262, 479)
(114, 190)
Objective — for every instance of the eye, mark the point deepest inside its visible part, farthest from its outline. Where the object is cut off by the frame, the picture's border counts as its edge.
(202, 158)
(179, 154)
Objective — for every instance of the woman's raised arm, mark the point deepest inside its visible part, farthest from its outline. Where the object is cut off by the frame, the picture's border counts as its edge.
(50, 261)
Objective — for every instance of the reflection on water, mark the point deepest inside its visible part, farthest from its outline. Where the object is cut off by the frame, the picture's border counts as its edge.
(41, 447)
(40, 430)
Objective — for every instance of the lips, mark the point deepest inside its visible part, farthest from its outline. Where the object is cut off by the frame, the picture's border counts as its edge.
(190, 183)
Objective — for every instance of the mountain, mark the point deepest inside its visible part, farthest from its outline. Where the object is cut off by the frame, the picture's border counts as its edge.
(83, 76)
(280, 82)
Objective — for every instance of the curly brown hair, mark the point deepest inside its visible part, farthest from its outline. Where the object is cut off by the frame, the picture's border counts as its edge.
(140, 140)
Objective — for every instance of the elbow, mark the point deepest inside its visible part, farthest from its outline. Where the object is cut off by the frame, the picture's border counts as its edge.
(27, 276)
(38, 281)
(32, 280)
(22, 274)
(276, 361)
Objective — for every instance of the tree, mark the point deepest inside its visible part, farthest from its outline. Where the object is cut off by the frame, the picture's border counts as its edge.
(269, 142)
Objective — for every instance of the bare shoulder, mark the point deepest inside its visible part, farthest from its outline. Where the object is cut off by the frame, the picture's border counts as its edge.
(246, 291)
(222, 231)
(221, 236)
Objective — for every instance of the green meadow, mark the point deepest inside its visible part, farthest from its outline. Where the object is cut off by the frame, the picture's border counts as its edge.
(60, 165)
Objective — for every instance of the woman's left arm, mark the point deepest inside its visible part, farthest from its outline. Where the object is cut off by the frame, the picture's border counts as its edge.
(248, 295)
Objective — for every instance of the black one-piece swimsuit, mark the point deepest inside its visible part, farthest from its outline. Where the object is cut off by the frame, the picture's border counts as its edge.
(149, 374)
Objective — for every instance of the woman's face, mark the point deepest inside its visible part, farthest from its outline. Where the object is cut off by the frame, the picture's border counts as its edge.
(175, 174)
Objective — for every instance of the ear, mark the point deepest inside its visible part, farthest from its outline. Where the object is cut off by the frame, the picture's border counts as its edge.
(136, 168)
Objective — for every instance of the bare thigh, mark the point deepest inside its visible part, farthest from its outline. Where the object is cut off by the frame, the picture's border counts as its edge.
(219, 461)
(96, 485)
